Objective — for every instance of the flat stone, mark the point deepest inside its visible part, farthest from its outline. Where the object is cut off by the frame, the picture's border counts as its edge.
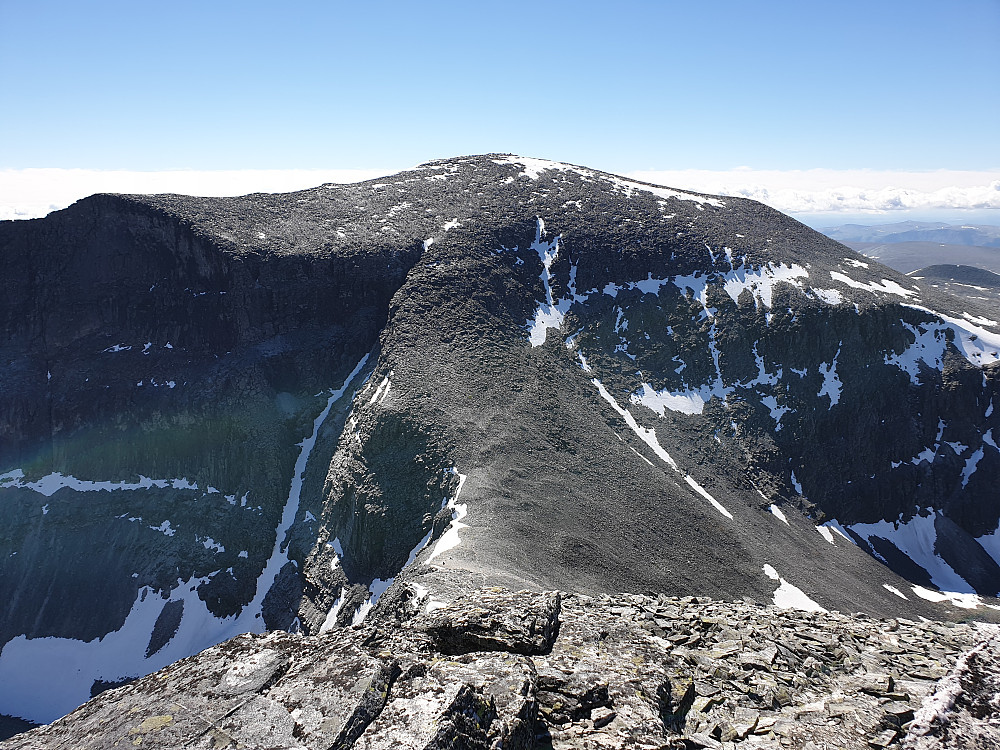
(250, 673)
(876, 684)
(700, 739)
(602, 716)
(883, 739)
(520, 623)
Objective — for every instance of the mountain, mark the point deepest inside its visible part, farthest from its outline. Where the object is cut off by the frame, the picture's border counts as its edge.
(981, 235)
(226, 415)
(973, 283)
(910, 245)
(907, 257)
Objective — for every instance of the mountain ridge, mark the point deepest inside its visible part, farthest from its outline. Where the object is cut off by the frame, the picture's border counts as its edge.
(737, 361)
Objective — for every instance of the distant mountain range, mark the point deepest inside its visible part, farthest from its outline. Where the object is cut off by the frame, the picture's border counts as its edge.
(910, 245)
(970, 282)
(982, 235)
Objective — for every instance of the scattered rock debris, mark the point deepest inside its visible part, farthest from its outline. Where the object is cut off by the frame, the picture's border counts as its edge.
(511, 671)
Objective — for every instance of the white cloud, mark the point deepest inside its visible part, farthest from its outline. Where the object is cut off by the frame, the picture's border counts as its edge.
(821, 191)
(30, 193)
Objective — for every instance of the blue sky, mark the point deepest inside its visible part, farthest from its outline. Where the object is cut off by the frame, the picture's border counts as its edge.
(882, 85)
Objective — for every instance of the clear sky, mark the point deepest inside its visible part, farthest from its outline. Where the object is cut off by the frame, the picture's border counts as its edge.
(635, 85)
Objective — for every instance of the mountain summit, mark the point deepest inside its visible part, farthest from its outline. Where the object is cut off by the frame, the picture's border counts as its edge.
(224, 415)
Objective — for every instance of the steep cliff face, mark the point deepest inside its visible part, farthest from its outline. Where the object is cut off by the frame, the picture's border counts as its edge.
(157, 384)
(226, 414)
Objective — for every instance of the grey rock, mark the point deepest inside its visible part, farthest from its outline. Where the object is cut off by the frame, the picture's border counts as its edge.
(251, 674)
(964, 709)
(602, 682)
(526, 625)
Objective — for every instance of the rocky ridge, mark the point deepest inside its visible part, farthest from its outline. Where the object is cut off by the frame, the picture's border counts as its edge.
(258, 412)
(496, 669)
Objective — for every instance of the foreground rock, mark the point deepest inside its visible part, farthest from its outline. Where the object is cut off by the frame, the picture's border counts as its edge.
(964, 711)
(501, 670)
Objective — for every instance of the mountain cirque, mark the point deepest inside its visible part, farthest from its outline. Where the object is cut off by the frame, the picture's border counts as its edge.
(224, 415)
(502, 670)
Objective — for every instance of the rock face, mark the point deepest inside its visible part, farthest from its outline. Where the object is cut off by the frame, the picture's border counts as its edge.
(562, 671)
(240, 414)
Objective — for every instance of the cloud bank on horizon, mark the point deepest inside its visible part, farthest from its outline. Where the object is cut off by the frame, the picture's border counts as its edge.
(832, 191)
(32, 193)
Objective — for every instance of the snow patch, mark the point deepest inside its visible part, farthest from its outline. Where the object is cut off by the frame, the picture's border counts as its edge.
(970, 465)
(979, 320)
(777, 412)
(211, 544)
(836, 527)
(916, 539)
(686, 402)
(628, 187)
(928, 347)
(829, 296)
(640, 455)
(704, 493)
(533, 168)
(831, 383)
(52, 483)
(449, 539)
(550, 313)
(894, 590)
(382, 392)
(958, 599)
(979, 346)
(826, 534)
(375, 589)
(888, 286)
(646, 435)
(788, 596)
(331, 616)
(776, 512)
(761, 281)
(165, 529)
